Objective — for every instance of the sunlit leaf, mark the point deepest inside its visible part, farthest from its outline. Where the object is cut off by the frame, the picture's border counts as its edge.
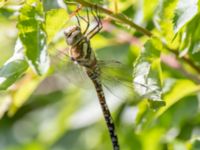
(179, 91)
(144, 116)
(164, 18)
(5, 102)
(184, 12)
(33, 36)
(23, 90)
(199, 6)
(13, 69)
(191, 42)
(118, 6)
(149, 8)
(56, 15)
(146, 74)
(10, 72)
(151, 140)
(2, 3)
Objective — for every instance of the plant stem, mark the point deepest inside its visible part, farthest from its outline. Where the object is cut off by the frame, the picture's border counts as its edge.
(119, 17)
(167, 59)
(184, 58)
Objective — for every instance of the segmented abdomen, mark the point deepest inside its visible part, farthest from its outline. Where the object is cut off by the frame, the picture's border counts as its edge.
(94, 75)
(84, 56)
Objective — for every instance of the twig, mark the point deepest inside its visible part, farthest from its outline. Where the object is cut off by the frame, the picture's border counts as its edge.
(175, 64)
(191, 63)
(119, 17)
(184, 58)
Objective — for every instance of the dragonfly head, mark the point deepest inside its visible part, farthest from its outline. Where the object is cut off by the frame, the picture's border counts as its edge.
(73, 35)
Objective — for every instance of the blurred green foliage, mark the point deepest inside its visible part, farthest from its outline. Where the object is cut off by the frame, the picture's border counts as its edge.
(59, 110)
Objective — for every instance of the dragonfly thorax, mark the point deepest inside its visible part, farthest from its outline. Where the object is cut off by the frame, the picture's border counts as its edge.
(80, 50)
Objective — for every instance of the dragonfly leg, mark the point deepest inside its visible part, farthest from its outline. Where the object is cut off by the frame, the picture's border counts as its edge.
(88, 22)
(98, 27)
(85, 20)
(77, 18)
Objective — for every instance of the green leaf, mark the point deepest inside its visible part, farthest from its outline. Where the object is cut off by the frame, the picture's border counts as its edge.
(164, 18)
(191, 42)
(13, 69)
(184, 12)
(192, 34)
(149, 8)
(55, 20)
(196, 144)
(2, 3)
(146, 73)
(24, 89)
(178, 92)
(199, 5)
(33, 36)
(5, 102)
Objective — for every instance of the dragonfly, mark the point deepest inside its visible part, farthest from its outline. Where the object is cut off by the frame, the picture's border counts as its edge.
(82, 54)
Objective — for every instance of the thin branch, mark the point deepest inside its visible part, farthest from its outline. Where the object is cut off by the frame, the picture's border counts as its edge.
(191, 63)
(173, 63)
(119, 17)
(184, 58)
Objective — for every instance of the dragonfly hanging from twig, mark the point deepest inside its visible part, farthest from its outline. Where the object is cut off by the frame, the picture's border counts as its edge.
(81, 53)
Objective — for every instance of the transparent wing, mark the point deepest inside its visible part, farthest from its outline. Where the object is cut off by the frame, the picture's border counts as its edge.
(66, 72)
(116, 72)
(116, 79)
(114, 75)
